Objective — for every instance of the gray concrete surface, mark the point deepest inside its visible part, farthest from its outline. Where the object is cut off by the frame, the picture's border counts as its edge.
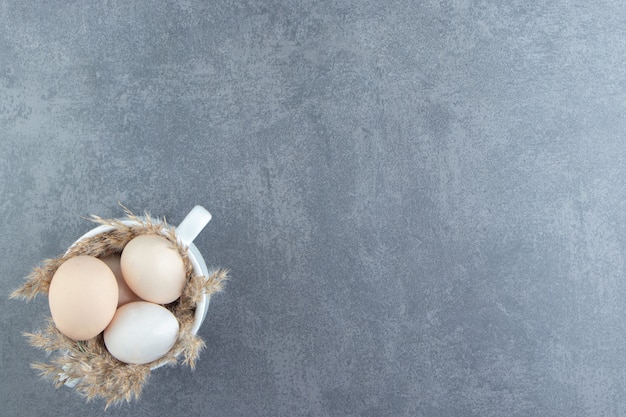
(422, 202)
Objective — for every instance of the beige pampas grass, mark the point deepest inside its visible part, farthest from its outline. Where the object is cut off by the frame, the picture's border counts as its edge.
(98, 374)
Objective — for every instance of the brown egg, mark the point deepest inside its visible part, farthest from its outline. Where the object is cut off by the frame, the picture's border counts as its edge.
(153, 268)
(125, 294)
(82, 297)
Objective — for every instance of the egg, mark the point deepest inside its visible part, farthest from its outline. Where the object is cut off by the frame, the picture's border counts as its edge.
(83, 297)
(141, 332)
(125, 294)
(153, 268)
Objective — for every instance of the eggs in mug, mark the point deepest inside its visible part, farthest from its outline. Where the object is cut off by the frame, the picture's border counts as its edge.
(120, 295)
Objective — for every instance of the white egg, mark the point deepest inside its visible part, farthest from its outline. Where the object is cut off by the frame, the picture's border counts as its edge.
(141, 332)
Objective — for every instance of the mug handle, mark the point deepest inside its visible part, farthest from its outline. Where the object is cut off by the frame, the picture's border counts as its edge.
(192, 224)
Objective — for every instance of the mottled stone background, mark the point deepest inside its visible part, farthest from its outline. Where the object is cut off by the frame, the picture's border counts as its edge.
(422, 202)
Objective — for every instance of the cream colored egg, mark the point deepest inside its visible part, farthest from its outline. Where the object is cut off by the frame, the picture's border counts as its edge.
(153, 268)
(82, 297)
(141, 332)
(125, 294)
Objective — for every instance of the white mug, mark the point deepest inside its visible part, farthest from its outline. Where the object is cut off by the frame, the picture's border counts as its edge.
(186, 232)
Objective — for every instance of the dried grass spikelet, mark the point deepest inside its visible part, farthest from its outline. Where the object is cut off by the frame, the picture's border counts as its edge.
(96, 372)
